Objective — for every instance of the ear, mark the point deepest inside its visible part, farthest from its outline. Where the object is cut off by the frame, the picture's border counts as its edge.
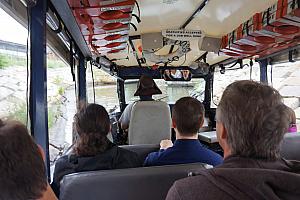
(222, 131)
(174, 124)
(41, 150)
(202, 122)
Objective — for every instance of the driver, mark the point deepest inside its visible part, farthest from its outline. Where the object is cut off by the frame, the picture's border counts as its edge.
(146, 87)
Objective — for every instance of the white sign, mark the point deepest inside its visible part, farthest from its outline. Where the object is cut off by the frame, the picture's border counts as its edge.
(183, 35)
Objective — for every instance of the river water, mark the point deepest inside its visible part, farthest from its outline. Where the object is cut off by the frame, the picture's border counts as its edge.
(171, 91)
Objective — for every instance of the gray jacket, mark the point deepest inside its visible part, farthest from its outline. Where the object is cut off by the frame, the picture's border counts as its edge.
(242, 179)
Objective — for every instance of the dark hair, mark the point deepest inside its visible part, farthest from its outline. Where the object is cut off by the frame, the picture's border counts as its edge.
(23, 174)
(92, 125)
(255, 119)
(188, 113)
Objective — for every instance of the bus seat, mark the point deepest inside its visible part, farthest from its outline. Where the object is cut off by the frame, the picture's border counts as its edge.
(142, 150)
(147, 183)
(291, 146)
(150, 123)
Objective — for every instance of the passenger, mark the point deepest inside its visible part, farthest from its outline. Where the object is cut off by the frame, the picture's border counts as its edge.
(22, 170)
(92, 149)
(251, 122)
(146, 87)
(187, 119)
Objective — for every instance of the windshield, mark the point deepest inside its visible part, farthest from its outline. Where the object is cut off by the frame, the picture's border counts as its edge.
(171, 90)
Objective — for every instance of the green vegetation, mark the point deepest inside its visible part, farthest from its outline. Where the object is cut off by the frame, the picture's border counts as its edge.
(9, 61)
(58, 80)
(3, 61)
(18, 112)
(61, 90)
(53, 63)
(51, 117)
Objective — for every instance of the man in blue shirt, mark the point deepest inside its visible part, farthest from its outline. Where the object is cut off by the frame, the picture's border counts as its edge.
(187, 118)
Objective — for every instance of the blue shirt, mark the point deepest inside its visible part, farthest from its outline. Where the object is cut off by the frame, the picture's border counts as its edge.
(183, 151)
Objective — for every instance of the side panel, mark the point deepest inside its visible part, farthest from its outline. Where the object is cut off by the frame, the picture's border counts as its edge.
(38, 78)
(263, 70)
(81, 79)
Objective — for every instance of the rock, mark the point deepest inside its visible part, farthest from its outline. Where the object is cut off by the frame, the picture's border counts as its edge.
(278, 83)
(296, 73)
(290, 91)
(5, 92)
(295, 81)
(292, 102)
(297, 112)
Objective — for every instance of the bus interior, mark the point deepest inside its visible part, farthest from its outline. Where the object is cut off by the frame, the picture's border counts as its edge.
(179, 43)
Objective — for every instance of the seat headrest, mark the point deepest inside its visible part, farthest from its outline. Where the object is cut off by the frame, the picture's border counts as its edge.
(145, 183)
(290, 146)
(142, 150)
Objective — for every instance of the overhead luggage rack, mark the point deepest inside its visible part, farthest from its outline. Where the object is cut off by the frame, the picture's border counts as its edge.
(104, 24)
(272, 30)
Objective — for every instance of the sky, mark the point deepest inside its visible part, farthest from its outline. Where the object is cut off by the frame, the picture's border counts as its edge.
(11, 30)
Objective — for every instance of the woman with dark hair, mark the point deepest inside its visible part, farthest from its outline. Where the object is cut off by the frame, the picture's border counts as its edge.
(92, 149)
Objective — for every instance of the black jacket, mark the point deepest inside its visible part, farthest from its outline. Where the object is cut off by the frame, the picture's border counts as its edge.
(113, 158)
(242, 178)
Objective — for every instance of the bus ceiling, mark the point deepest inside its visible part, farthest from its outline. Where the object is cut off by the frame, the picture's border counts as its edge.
(131, 33)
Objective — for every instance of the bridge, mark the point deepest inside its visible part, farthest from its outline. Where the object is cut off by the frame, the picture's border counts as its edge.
(12, 48)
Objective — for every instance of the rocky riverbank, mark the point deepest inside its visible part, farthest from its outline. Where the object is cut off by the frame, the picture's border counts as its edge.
(62, 101)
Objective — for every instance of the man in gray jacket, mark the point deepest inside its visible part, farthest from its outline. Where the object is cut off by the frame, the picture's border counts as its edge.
(251, 122)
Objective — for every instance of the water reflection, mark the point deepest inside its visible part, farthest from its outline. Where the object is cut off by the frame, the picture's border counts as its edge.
(171, 91)
(106, 96)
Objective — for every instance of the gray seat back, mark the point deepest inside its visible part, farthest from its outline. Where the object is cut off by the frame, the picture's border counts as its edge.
(150, 122)
(290, 148)
(142, 150)
(145, 183)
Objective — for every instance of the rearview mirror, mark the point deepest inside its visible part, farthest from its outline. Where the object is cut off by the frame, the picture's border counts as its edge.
(176, 75)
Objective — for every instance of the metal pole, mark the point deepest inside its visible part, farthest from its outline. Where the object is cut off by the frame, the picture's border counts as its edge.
(38, 78)
(81, 79)
(263, 70)
(121, 94)
(207, 92)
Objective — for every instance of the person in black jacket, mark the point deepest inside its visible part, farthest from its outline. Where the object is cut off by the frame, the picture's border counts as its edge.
(92, 149)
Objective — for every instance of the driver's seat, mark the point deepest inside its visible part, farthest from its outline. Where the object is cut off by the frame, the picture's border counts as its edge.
(150, 122)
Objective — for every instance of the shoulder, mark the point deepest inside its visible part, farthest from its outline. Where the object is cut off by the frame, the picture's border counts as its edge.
(188, 188)
(154, 157)
(129, 158)
(129, 107)
(213, 158)
(126, 152)
(193, 188)
(64, 165)
(216, 158)
(61, 162)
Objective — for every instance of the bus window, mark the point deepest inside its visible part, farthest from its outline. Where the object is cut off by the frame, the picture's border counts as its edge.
(171, 90)
(224, 77)
(61, 105)
(105, 89)
(12, 69)
(285, 78)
